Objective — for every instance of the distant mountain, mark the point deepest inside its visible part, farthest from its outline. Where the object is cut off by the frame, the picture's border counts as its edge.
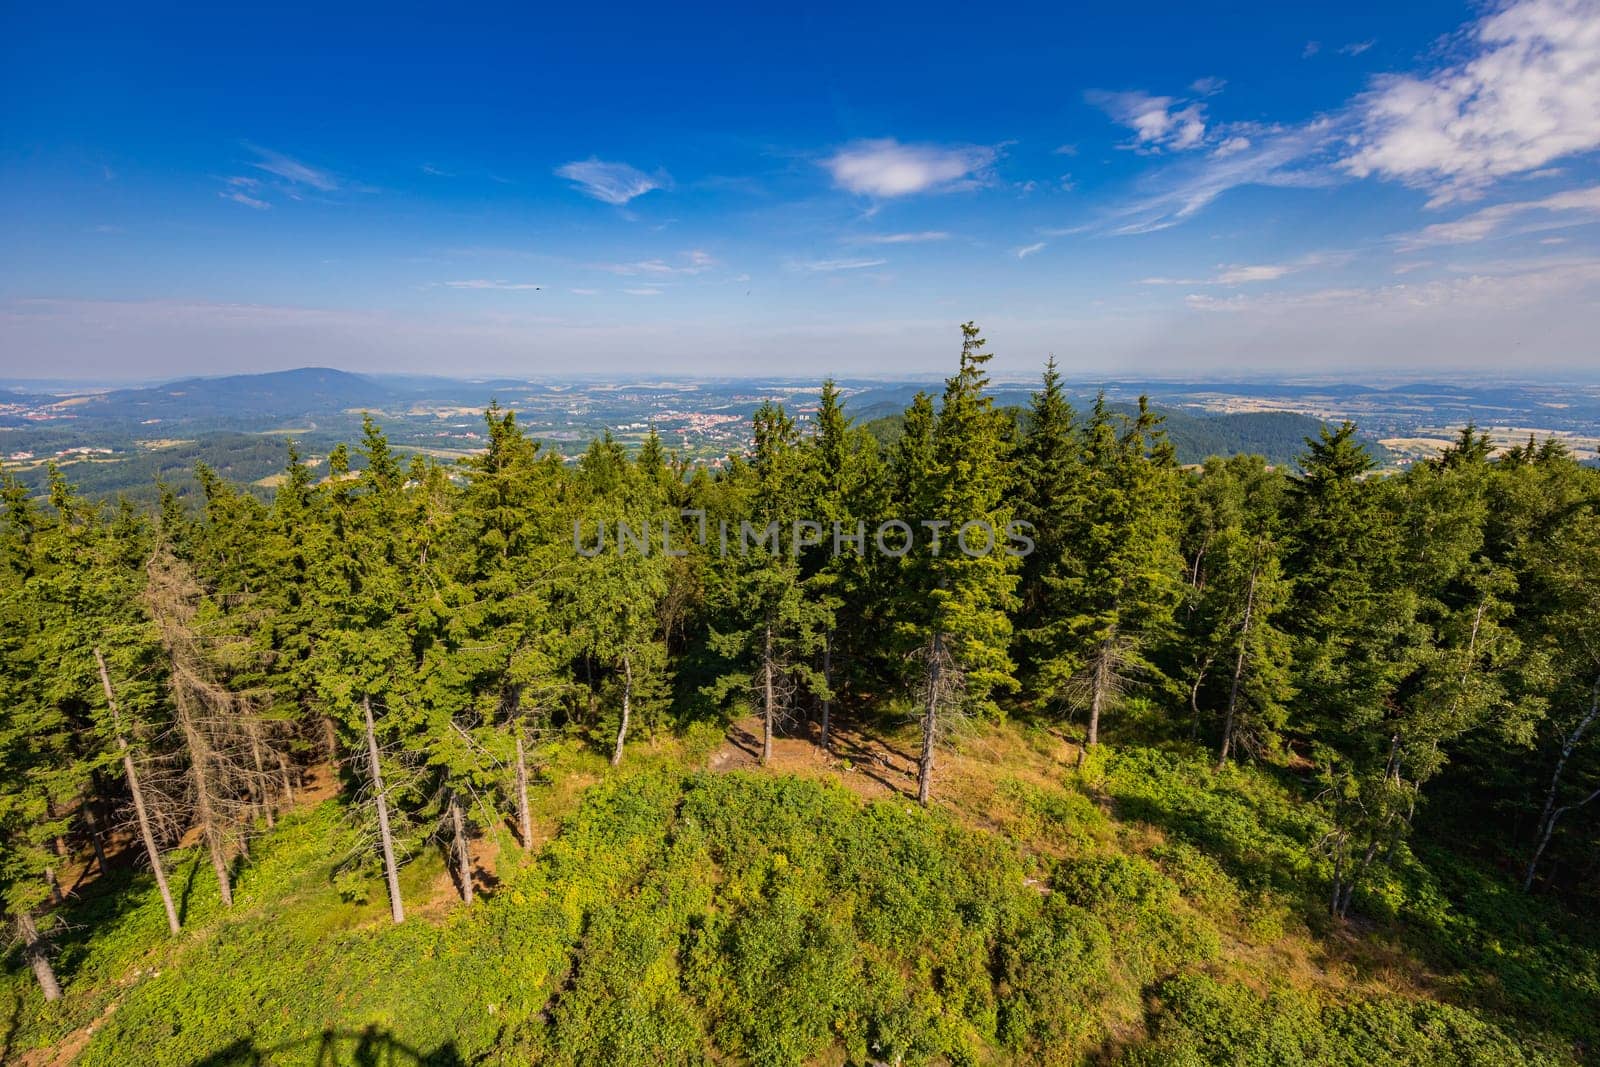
(309, 391)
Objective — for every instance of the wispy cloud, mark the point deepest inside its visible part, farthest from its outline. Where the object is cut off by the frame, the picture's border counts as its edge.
(1285, 157)
(1027, 250)
(1574, 207)
(1232, 274)
(644, 291)
(1529, 94)
(292, 170)
(897, 238)
(1157, 122)
(827, 265)
(487, 283)
(584, 292)
(695, 261)
(887, 168)
(1355, 48)
(612, 183)
(245, 199)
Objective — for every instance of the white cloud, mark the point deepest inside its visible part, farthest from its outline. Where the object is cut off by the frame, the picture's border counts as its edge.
(898, 238)
(827, 265)
(1157, 122)
(694, 261)
(886, 168)
(487, 283)
(245, 199)
(1529, 95)
(1284, 157)
(1574, 207)
(1355, 48)
(646, 291)
(1264, 272)
(1485, 291)
(613, 183)
(1207, 86)
(292, 170)
(1232, 146)
(1311, 49)
(1027, 250)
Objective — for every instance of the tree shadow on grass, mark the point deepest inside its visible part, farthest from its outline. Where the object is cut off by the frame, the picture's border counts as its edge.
(368, 1047)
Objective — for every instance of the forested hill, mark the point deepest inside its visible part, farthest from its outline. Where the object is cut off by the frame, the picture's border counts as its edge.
(1240, 764)
(1279, 437)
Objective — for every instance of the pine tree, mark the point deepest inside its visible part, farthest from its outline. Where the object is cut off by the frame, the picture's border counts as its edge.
(953, 613)
(773, 625)
(1122, 576)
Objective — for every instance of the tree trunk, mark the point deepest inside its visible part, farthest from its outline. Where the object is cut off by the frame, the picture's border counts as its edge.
(1238, 672)
(330, 740)
(930, 722)
(627, 707)
(1549, 829)
(397, 910)
(767, 697)
(92, 821)
(143, 815)
(38, 956)
(1549, 815)
(288, 779)
(258, 785)
(1194, 697)
(524, 816)
(463, 854)
(205, 799)
(1099, 682)
(827, 680)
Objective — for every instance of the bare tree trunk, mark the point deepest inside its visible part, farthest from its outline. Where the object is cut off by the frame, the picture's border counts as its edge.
(396, 909)
(1548, 817)
(1238, 671)
(1098, 684)
(38, 956)
(205, 798)
(524, 816)
(768, 697)
(258, 784)
(463, 855)
(627, 707)
(1550, 829)
(92, 821)
(930, 721)
(330, 740)
(288, 779)
(1194, 697)
(827, 680)
(128, 770)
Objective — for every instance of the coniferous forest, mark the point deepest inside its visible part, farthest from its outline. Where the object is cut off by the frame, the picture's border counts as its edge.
(634, 761)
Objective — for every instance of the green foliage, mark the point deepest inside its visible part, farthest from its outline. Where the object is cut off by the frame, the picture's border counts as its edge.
(1203, 1021)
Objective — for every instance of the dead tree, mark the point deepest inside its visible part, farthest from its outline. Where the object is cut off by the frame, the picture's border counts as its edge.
(396, 909)
(146, 833)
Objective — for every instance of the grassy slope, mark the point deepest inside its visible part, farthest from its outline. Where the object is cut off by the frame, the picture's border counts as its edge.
(1142, 908)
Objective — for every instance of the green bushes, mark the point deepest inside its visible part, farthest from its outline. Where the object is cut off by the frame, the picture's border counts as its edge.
(686, 918)
(1203, 1021)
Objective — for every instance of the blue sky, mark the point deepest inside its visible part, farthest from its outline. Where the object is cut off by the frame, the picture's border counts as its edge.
(1140, 190)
